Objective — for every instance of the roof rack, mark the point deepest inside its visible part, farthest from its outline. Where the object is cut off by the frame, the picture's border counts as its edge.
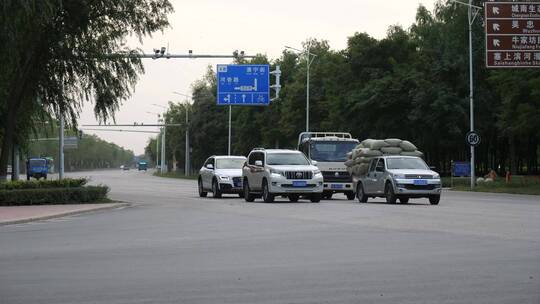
(258, 149)
(307, 135)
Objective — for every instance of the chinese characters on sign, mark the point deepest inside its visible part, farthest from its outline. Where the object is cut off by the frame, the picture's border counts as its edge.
(243, 84)
(512, 34)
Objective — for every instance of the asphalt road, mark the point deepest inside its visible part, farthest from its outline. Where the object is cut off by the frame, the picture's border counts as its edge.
(173, 247)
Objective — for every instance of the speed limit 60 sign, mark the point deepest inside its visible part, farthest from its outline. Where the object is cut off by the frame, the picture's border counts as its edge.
(473, 138)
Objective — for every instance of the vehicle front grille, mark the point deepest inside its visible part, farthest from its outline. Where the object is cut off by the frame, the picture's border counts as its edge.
(420, 187)
(291, 186)
(237, 181)
(298, 174)
(418, 176)
(341, 177)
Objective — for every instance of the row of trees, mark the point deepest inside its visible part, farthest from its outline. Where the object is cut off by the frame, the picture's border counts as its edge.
(57, 54)
(413, 84)
(92, 153)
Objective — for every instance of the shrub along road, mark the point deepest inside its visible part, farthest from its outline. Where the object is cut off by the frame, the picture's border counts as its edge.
(173, 247)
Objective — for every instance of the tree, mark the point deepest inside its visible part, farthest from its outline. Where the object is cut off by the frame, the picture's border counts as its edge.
(58, 56)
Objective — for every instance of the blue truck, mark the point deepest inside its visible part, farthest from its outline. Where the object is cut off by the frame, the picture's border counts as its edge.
(142, 165)
(37, 167)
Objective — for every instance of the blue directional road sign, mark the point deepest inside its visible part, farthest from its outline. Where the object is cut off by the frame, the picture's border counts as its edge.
(243, 84)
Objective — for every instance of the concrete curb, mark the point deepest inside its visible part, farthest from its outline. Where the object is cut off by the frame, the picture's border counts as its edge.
(47, 217)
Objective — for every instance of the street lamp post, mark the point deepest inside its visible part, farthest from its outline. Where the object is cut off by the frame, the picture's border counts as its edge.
(471, 17)
(309, 60)
(187, 161)
(157, 138)
(163, 167)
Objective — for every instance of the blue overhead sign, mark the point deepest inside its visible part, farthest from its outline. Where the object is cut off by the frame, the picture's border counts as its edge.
(243, 84)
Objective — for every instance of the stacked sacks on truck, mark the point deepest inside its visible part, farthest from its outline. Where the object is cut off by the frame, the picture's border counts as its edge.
(358, 159)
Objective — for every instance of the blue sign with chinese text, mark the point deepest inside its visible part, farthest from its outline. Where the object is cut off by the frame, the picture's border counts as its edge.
(243, 84)
(462, 169)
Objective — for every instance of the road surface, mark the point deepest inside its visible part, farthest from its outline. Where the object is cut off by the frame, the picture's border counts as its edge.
(173, 247)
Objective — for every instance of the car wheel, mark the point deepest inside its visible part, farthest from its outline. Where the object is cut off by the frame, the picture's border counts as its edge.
(315, 198)
(389, 193)
(248, 197)
(327, 195)
(434, 200)
(350, 195)
(267, 196)
(293, 197)
(215, 189)
(404, 200)
(202, 193)
(360, 194)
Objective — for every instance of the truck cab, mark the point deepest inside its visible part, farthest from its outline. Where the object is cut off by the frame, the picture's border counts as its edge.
(329, 150)
(37, 168)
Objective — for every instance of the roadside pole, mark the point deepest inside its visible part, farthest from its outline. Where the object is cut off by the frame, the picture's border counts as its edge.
(16, 163)
(186, 162)
(61, 149)
(471, 89)
(163, 161)
(307, 87)
(157, 150)
(230, 116)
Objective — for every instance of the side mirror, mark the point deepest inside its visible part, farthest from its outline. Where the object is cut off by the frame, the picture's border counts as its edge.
(210, 166)
(314, 162)
(258, 163)
(432, 168)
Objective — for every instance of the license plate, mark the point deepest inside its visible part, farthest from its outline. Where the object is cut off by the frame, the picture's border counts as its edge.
(299, 183)
(336, 186)
(420, 182)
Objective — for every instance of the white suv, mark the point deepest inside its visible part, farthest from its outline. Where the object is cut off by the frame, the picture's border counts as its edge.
(270, 172)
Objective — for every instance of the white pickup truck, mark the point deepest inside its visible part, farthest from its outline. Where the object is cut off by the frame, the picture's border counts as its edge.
(398, 177)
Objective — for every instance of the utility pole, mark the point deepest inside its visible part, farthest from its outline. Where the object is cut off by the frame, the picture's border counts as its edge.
(187, 164)
(230, 122)
(309, 60)
(163, 159)
(61, 149)
(472, 13)
(471, 94)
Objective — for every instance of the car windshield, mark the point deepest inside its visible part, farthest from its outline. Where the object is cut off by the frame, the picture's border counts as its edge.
(331, 151)
(230, 163)
(286, 159)
(406, 163)
(37, 162)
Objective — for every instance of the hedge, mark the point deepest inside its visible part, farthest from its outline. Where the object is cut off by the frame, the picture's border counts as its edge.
(41, 196)
(40, 184)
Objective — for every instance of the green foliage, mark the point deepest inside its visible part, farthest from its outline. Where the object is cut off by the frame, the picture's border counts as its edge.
(412, 84)
(43, 184)
(39, 196)
(58, 54)
(92, 153)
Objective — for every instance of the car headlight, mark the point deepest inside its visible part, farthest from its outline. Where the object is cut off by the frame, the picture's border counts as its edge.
(224, 177)
(277, 172)
(398, 176)
(316, 171)
(436, 176)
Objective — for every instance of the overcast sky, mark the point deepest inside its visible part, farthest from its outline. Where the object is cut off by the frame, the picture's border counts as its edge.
(220, 27)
